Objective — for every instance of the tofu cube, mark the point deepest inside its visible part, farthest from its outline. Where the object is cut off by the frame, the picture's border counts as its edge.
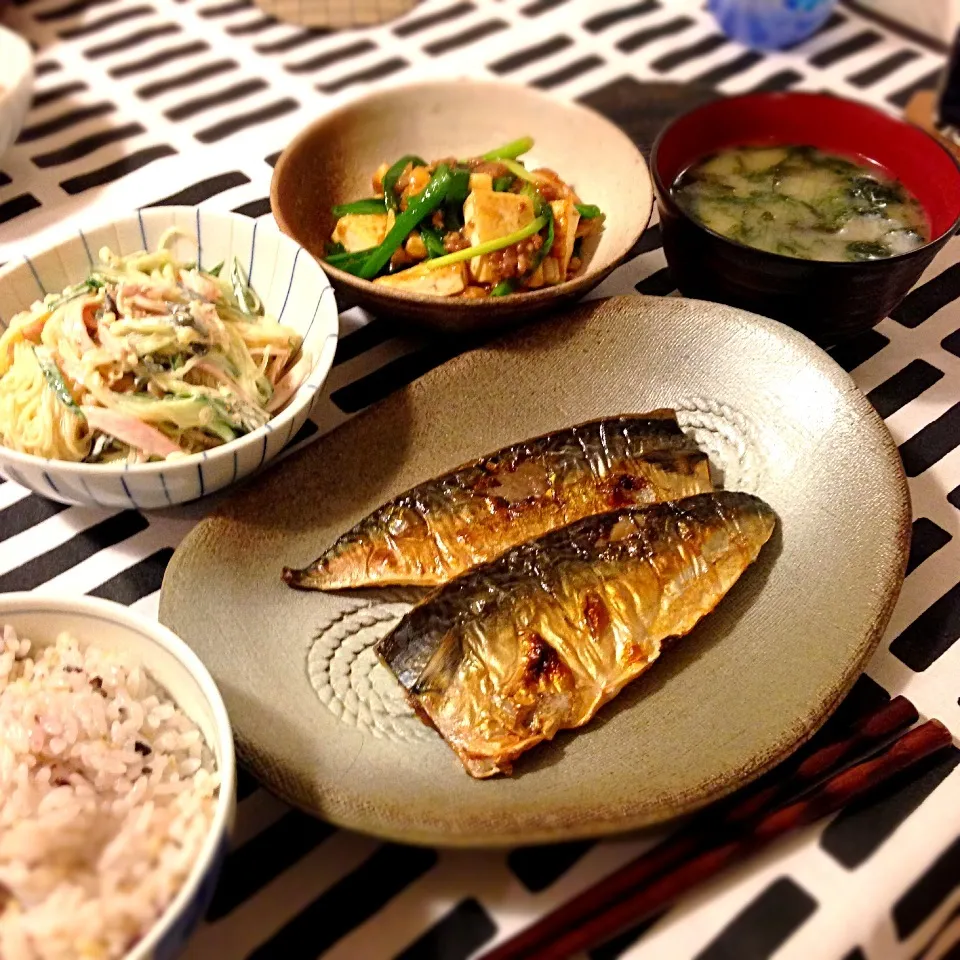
(535, 280)
(565, 220)
(489, 216)
(481, 181)
(449, 281)
(360, 231)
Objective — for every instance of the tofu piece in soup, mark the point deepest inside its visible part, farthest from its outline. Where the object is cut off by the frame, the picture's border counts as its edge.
(489, 215)
(360, 231)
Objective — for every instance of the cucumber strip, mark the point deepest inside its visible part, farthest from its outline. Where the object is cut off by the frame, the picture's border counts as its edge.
(53, 376)
(249, 302)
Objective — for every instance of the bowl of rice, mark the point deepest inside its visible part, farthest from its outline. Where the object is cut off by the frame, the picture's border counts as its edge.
(117, 783)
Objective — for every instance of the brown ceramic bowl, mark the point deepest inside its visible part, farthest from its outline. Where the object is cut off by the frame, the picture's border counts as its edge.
(333, 159)
(828, 301)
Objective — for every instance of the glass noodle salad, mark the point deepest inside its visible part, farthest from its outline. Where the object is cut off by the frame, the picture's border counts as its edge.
(485, 226)
(147, 359)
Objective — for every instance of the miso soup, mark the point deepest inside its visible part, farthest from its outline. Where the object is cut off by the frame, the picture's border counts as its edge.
(801, 202)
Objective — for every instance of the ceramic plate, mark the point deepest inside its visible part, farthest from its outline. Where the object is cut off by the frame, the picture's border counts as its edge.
(332, 160)
(325, 726)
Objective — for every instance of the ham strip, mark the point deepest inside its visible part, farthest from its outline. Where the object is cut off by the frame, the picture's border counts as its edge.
(130, 430)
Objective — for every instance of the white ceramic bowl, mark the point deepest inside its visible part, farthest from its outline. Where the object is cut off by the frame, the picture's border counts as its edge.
(16, 85)
(172, 664)
(291, 285)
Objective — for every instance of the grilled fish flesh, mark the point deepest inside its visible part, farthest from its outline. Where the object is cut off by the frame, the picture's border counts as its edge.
(443, 527)
(538, 640)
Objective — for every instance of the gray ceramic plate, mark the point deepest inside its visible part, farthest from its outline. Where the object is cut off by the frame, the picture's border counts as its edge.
(321, 723)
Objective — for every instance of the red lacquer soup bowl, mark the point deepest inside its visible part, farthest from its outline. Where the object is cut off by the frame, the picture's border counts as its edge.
(828, 301)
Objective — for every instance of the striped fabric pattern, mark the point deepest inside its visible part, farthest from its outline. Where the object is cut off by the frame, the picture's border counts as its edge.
(189, 102)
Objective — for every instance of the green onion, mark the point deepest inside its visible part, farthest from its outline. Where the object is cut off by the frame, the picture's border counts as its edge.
(503, 288)
(419, 207)
(542, 209)
(53, 376)
(432, 241)
(503, 184)
(350, 262)
(215, 271)
(94, 284)
(459, 185)
(392, 175)
(491, 246)
(519, 170)
(548, 242)
(509, 151)
(588, 211)
(334, 248)
(452, 216)
(366, 206)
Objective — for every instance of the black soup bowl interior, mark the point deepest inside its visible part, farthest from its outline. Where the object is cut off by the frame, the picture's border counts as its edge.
(829, 301)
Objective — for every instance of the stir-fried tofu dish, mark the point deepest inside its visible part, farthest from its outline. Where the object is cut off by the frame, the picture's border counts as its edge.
(485, 226)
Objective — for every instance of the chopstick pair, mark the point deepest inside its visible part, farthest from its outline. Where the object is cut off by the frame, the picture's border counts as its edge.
(817, 782)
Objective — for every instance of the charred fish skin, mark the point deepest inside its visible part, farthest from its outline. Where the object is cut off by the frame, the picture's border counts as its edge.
(538, 640)
(443, 527)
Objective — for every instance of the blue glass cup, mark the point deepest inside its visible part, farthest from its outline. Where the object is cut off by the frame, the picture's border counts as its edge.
(770, 24)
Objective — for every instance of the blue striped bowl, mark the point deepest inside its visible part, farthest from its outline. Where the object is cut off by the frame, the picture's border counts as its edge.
(293, 288)
(173, 665)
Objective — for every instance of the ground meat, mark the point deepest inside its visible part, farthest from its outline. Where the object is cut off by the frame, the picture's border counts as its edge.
(549, 185)
(401, 259)
(493, 167)
(378, 179)
(454, 241)
(437, 219)
(475, 293)
(415, 247)
(527, 251)
(504, 263)
(412, 181)
(449, 161)
(403, 179)
(515, 261)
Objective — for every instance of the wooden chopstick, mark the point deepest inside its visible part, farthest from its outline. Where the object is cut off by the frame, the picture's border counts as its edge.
(722, 824)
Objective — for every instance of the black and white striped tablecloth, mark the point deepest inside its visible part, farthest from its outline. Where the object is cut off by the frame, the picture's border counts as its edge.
(142, 102)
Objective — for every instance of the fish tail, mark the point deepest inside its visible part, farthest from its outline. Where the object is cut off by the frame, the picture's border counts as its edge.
(307, 578)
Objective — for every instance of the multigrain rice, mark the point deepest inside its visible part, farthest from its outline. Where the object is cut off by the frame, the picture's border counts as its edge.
(107, 793)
